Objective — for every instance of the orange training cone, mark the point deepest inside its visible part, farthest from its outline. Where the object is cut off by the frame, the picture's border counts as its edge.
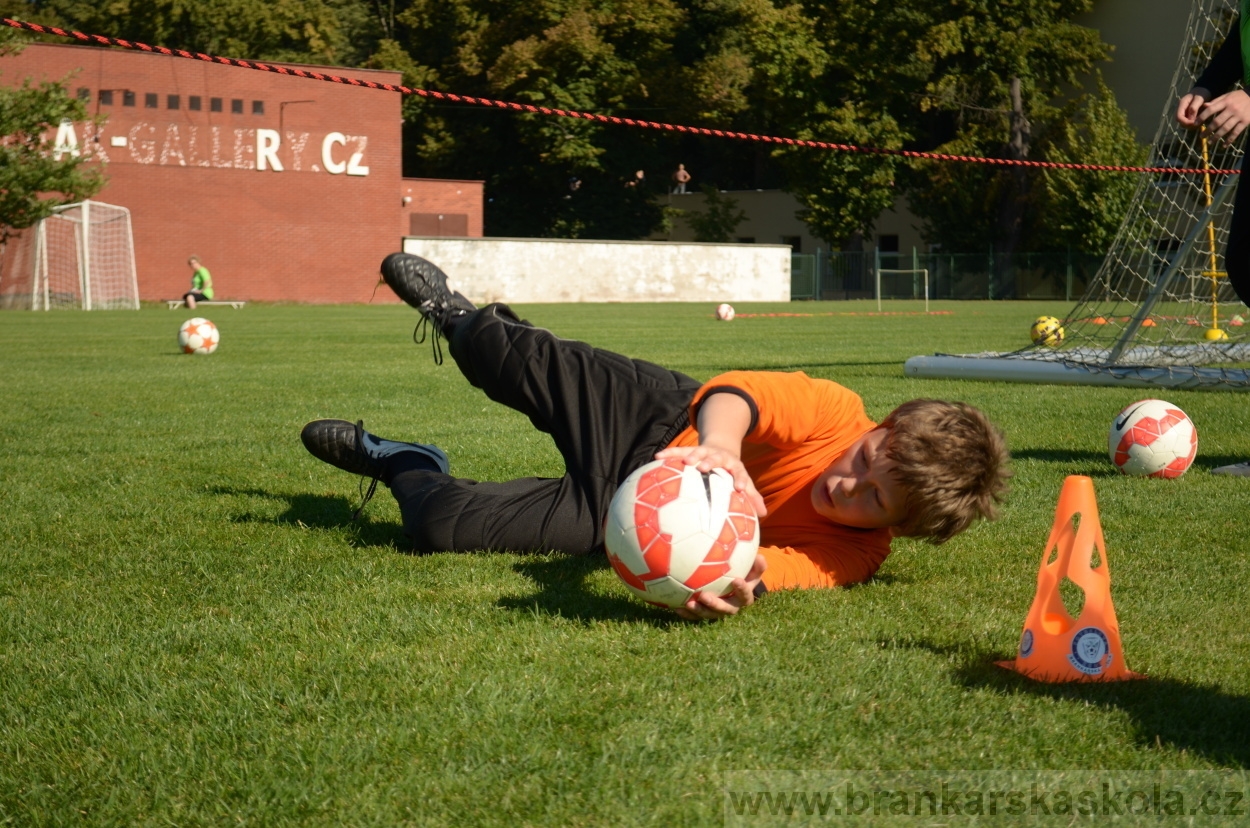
(1056, 647)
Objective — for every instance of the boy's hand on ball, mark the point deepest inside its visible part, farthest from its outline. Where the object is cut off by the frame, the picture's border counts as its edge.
(705, 606)
(708, 457)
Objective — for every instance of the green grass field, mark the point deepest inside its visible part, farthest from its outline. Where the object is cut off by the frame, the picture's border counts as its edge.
(192, 631)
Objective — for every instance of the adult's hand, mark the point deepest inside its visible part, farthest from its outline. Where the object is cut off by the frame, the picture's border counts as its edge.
(1187, 111)
(1227, 116)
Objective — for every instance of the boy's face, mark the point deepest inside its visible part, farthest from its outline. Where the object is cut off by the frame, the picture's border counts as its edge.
(859, 490)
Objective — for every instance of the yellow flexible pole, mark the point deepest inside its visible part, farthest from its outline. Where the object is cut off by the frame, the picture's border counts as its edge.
(1213, 266)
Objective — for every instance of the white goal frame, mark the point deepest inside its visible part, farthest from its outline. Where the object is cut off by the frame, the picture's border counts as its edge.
(100, 284)
(923, 271)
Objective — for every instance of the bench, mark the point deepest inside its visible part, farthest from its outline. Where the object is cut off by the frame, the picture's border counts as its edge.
(178, 303)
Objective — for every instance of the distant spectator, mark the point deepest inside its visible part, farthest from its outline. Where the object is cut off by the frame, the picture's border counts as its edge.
(681, 178)
(201, 283)
(639, 180)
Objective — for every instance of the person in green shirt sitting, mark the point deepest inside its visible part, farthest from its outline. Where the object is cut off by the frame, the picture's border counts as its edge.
(201, 283)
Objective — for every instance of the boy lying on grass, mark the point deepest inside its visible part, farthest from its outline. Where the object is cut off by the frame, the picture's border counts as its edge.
(830, 486)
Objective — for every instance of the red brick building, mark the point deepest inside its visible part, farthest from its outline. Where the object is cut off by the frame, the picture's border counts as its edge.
(288, 189)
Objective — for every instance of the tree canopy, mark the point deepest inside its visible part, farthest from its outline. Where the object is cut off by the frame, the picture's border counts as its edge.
(34, 177)
(985, 77)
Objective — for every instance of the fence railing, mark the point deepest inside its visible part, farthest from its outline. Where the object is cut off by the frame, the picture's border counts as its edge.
(843, 275)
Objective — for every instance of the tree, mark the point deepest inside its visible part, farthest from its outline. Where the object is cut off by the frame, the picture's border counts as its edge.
(718, 219)
(843, 192)
(1083, 209)
(860, 96)
(34, 177)
(968, 77)
(979, 77)
(306, 31)
(998, 74)
(736, 64)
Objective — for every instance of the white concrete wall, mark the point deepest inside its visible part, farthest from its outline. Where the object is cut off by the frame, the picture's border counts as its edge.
(569, 270)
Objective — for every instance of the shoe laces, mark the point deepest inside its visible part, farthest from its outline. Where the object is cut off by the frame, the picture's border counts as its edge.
(373, 484)
(431, 329)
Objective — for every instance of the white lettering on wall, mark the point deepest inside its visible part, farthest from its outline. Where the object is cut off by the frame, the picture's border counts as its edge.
(193, 142)
(297, 141)
(66, 140)
(184, 145)
(244, 149)
(267, 143)
(354, 167)
(172, 148)
(218, 161)
(327, 159)
(142, 150)
(92, 146)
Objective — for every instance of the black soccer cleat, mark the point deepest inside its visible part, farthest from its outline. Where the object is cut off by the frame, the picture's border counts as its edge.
(423, 285)
(349, 447)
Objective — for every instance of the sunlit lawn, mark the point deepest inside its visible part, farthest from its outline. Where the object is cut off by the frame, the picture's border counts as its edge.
(192, 631)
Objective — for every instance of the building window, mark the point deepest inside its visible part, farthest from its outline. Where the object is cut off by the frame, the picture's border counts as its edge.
(888, 243)
(84, 94)
(258, 107)
(150, 100)
(173, 102)
(128, 98)
(214, 104)
(236, 106)
(193, 103)
(745, 240)
(106, 97)
(795, 242)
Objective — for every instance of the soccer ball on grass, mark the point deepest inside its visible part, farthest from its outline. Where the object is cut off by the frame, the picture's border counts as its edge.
(724, 311)
(1047, 330)
(198, 336)
(1152, 438)
(672, 531)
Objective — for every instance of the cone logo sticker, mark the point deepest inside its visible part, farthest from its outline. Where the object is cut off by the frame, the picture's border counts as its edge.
(1091, 652)
(1026, 643)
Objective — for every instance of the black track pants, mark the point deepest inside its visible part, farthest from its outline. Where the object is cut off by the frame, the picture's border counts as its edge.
(607, 414)
(1237, 254)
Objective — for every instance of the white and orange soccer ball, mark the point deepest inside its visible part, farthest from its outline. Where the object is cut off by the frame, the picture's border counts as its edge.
(1152, 438)
(673, 531)
(198, 336)
(724, 311)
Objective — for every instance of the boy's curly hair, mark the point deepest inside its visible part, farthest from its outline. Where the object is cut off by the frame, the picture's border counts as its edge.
(953, 462)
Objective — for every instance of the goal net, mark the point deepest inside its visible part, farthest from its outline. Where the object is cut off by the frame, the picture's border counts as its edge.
(1160, 311)
(82, 256)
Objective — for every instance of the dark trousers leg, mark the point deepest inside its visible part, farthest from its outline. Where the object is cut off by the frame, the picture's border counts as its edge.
(1237, 254)
(607, 414)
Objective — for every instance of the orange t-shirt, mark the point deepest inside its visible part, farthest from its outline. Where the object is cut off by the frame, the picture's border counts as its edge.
(801, 426)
